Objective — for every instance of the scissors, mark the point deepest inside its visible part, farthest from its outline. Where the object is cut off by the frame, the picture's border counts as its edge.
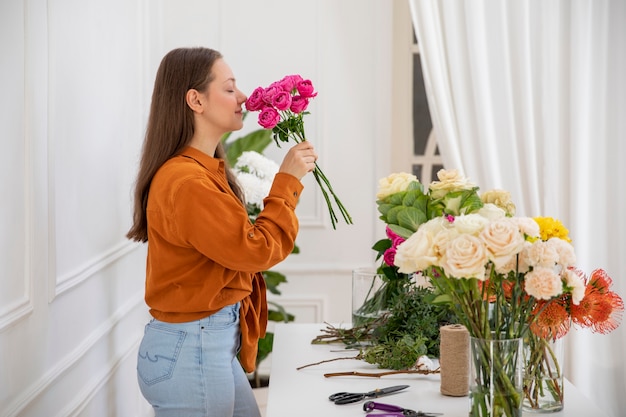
(396, 411)
(353, 397)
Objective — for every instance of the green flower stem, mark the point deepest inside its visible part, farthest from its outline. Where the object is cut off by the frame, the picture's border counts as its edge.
(542, 367)
(297, 134)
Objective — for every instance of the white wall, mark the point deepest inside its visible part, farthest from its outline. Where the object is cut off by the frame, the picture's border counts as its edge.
(76, 78)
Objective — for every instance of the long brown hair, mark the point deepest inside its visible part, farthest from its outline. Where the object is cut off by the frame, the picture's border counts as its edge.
(170, 124)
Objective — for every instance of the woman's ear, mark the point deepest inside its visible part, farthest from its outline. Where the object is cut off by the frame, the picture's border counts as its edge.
(194, 100)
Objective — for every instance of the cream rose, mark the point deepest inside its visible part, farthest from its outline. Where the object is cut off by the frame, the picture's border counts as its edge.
(503, 240)
(465, 257)
(416, 253)
(394, 183)
(449, 180)
(543, 283)
(500, 198)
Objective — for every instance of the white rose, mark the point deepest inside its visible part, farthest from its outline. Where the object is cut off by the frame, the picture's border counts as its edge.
(449, 180)
(465, 257)
(543, 283)
(470, 224)
(503, 241)
(394, 183)
(491, 212)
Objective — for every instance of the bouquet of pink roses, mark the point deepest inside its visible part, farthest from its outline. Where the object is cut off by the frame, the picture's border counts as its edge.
(282, 106)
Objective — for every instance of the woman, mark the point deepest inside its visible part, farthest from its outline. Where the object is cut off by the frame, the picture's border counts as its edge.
(203, 285)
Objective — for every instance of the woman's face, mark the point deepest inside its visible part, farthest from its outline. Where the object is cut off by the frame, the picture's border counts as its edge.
(224, 100)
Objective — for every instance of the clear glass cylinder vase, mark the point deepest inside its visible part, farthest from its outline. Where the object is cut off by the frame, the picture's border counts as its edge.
(369, 298)
(543, 374)
(496, 383)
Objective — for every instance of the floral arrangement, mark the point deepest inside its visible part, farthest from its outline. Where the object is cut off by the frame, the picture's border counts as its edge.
(505, 277)
(281, 107)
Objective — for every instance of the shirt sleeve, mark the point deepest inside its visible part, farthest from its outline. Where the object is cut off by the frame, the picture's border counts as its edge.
(212, 220)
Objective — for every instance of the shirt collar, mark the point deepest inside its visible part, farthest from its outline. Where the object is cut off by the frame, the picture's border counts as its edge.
(208, 162)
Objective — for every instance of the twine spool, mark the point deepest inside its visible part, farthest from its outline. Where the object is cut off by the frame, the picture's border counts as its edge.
(454, 360)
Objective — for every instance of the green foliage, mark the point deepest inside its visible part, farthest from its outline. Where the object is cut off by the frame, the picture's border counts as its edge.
(405, 211)
(409, 329)
(401, 353)
(414, 313)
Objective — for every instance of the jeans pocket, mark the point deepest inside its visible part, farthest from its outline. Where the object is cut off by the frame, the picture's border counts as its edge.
(158, 353)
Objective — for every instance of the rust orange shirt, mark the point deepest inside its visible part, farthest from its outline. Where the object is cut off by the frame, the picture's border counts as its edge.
(204, 253)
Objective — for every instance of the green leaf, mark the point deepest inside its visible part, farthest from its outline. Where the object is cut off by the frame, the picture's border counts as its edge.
(410, 218)
(265, 347)
(280, 314)
(254, 141)
(416, 185)
(393, 213)
(401, 231)
(382, 245)
(272, 280)
(396, 199)
(442, 299)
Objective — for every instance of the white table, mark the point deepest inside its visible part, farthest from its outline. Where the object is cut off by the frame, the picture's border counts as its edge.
(305, 392)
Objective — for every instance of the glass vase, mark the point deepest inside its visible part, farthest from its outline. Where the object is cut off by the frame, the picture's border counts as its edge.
(496, 383)
(543, 374)
(369, 296)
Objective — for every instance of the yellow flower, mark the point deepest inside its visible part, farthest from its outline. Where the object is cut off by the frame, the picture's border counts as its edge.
(550, 227)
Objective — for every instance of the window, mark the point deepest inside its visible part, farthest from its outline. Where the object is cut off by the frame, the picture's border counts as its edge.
(414, 143)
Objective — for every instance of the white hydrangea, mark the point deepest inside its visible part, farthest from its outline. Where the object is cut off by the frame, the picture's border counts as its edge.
(255, 173)
(257, 164)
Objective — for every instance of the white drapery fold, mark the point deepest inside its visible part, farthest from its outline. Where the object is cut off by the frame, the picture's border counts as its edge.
(530, 96)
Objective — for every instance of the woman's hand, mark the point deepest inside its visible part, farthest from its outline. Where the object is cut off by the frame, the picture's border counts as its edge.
(300, 160)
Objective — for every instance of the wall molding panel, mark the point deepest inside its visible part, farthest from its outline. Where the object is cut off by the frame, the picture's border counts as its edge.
(72, 279)
(38, 387)
(15, 312)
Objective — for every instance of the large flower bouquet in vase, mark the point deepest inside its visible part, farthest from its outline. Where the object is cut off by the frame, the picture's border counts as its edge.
(281, 108)
(499, 274)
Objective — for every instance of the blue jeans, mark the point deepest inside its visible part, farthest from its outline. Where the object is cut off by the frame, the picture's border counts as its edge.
(191, 369)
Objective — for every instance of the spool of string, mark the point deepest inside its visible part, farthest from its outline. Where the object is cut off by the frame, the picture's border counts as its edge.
(454, 360)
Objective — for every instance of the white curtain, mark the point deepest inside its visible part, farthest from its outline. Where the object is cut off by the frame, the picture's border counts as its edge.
(530, 96)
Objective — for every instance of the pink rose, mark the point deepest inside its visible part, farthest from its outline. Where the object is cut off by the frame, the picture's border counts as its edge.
(394, 237)
(389, 256)
(255, 101)
(289, 82)
(299, 104)
(270, 92)
(282, 100)
(269, 117)
(306, 89)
